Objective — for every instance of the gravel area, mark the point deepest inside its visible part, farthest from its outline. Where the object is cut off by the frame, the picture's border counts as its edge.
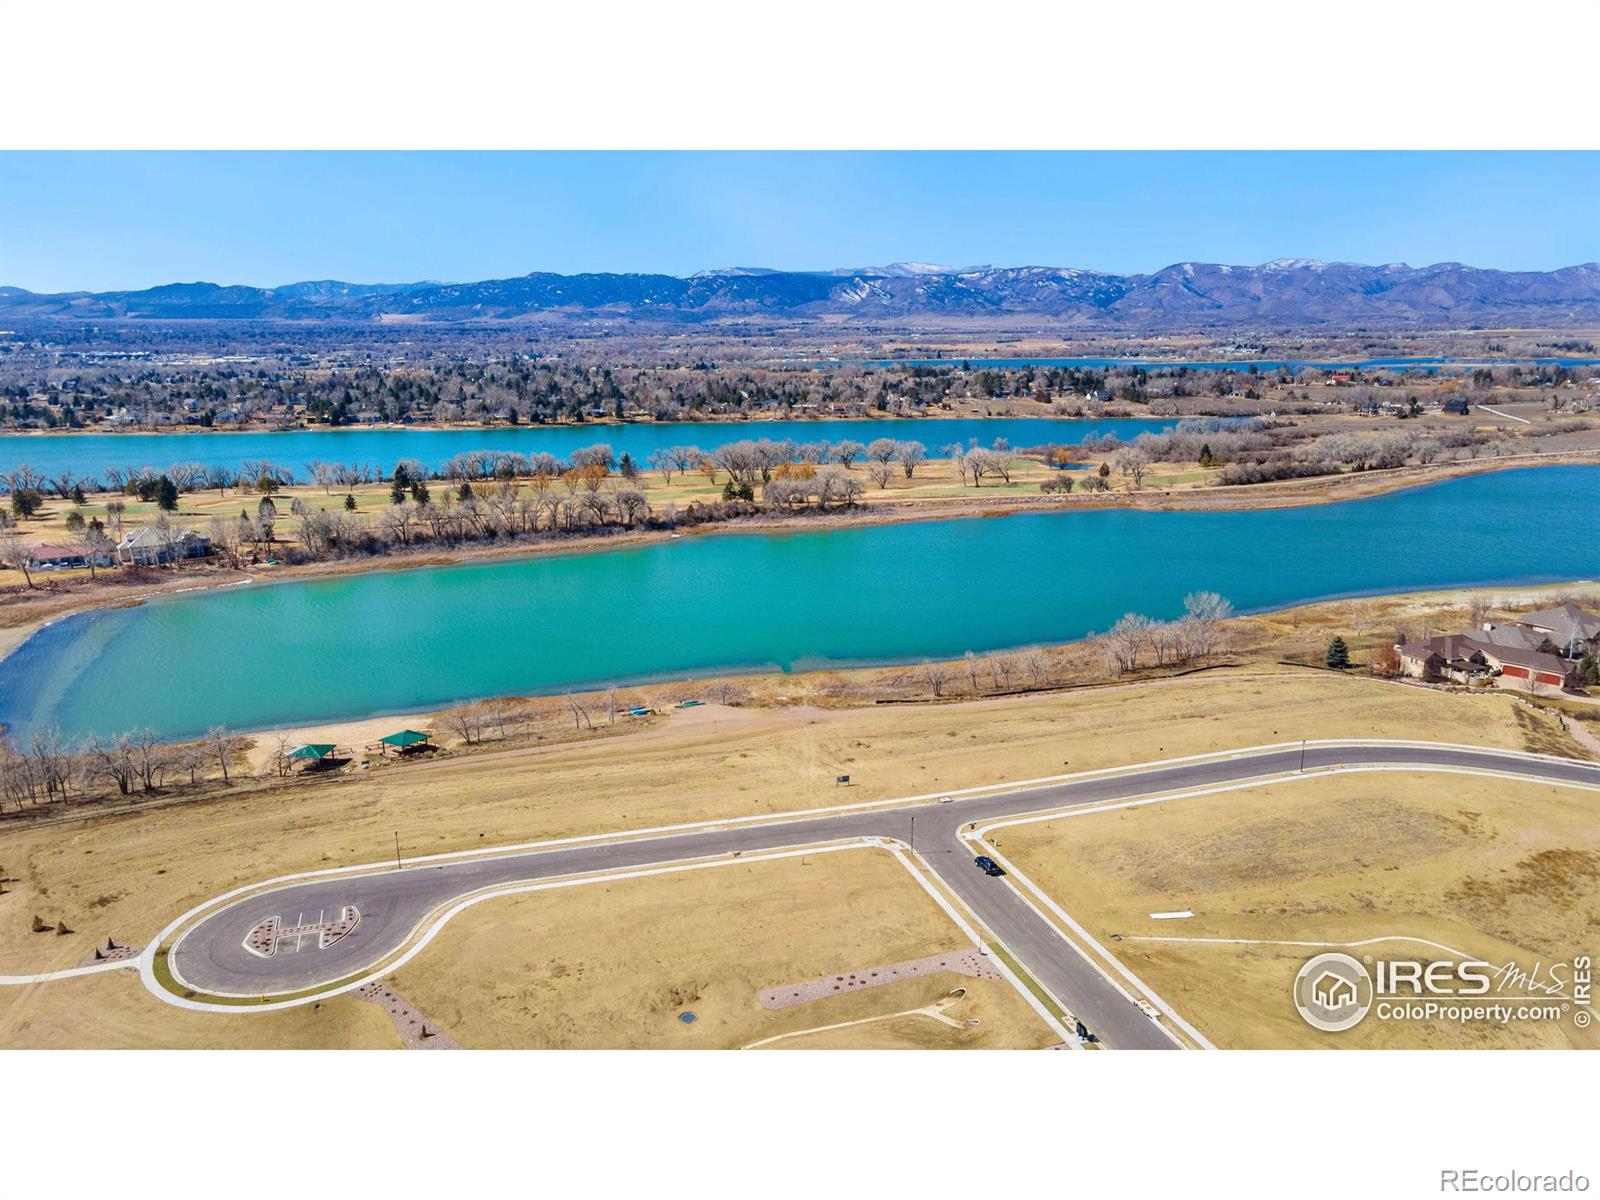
(963, 962)
(416, 1030)
(111, 951)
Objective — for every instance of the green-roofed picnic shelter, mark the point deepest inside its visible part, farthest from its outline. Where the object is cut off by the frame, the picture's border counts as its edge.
(315, 752)
(405, 738)
(407, 741)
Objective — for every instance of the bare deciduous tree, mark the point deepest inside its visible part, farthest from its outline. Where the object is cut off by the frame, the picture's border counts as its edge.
(1133, 462)
(933, 676)
(15, 555)
(1122, 644)
(114, 760)
(726, 692)
(911, 455)
(1001, 667)
(467, 721)
(151, 758)
(1037, 663)
(1203, 617)
(223, 746)
(579, 710)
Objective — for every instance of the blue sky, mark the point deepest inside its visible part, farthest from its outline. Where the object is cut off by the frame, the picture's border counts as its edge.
(119, 220)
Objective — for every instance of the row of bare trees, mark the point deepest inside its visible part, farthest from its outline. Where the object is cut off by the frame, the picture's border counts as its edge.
(1002, 671)
(1254, 450)
(68, 484)
(1137, 640)
(1133, 642)
(974, 464)
(828, 487)
(746, 461)
(48, 769)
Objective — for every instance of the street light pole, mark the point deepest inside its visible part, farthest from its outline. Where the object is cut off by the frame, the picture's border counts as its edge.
(397, 866)
(1302, 756)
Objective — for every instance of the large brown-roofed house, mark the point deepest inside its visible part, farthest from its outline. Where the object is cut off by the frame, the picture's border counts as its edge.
(1466, 658)
(1454, 657)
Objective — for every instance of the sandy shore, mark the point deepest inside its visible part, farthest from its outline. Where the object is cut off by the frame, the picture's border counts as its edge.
(32, 611)
(358, 734)
(347, 735)
(11, 638)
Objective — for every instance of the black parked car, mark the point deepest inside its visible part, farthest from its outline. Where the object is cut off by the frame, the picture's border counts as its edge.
(988, 865)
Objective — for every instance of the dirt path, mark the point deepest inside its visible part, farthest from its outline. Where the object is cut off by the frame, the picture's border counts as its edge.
(415, 1029)
(1582, 736)
(963, 961)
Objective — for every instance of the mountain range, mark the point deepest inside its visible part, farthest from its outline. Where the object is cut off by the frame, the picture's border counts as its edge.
(1283, 293)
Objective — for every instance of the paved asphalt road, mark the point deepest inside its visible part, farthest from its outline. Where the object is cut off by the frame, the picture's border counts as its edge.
(212, 957)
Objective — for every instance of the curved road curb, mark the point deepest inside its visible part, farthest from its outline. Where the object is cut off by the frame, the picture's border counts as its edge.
(208, 955)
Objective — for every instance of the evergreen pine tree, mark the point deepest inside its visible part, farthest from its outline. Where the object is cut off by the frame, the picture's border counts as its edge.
(1338, 655)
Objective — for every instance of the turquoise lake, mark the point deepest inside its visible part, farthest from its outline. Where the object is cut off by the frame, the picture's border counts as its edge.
(256, 656)
(91, 454)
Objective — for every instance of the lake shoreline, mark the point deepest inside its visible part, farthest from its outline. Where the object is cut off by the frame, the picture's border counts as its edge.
(16, 627)
(357, 730)
(483, 647)
(1522, 595)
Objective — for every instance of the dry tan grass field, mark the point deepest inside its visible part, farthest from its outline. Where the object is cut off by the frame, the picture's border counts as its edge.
(113, 1011)
(614, 964)
(127, 873)
(610, 966)
(1501, 870)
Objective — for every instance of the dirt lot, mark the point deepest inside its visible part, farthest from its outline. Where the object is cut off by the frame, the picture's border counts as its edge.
(1499, 870)
(125, 874)
(607, 966)
(613, 965)
(113, 1011)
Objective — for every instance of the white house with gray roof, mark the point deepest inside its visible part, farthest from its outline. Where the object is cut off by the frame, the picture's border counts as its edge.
(153, 546)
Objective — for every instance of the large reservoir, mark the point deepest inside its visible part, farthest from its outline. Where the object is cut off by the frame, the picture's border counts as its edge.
(289, 653)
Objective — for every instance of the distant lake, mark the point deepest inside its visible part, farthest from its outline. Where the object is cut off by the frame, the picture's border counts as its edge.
(91, 454)
(299, 652)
